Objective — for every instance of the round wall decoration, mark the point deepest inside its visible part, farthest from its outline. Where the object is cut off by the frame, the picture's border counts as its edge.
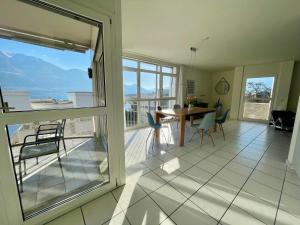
(222, 87)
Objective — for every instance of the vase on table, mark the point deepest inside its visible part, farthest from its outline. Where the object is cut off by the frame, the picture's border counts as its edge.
(190, 106)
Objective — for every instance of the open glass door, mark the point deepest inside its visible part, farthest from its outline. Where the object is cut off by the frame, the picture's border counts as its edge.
(257, 98)
(55, 113)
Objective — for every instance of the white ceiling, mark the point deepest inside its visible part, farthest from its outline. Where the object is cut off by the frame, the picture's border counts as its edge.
(241, 31)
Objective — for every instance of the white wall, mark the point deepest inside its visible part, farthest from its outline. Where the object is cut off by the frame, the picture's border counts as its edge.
(283, 72)
(203, 81)
(225, 99)
(294, 153)
(81, 99)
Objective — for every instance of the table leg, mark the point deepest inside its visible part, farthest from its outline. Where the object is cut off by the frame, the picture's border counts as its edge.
(157, 133)
(182, 130)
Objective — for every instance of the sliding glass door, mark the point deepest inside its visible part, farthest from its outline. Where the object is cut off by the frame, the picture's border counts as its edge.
(257, 97)
(56, 115)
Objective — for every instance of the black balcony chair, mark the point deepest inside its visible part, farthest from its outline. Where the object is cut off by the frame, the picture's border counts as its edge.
(45, 142)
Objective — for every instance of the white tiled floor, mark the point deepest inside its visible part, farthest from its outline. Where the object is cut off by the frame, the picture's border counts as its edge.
(242, 180)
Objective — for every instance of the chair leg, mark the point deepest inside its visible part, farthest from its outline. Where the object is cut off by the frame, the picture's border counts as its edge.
(165, 137)
(193, 134)
(37, 160)
(64, 144)
(20, 176)
(222, 130)
(148, 138)
(25, 172)
(202, 135)
(153, 139)
(211, 137)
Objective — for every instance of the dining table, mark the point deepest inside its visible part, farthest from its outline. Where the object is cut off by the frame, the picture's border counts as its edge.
(181, 114)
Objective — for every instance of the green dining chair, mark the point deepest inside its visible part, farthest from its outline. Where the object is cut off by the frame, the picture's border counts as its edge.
(220, 120)
(206, 127)
(155, 127)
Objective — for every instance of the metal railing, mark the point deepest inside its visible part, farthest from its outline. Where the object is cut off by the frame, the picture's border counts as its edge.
(135, 110)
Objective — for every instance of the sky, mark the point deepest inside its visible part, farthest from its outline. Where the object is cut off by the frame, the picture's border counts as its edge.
(64, 59)
(268, 81)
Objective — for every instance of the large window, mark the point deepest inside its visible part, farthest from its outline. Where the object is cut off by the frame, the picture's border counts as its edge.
(146, 86)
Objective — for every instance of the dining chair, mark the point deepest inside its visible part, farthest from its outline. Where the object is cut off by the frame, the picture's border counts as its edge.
(154, 129)
(205, 126)
(220, 120)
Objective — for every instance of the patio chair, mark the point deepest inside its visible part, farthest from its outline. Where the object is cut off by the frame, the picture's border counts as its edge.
(45, 143)
(155, 127)
(48, 131)
(206, 126)
(220, 120)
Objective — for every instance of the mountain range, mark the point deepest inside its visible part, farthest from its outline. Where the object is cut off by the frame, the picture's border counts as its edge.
(40, 78)
(19, 72)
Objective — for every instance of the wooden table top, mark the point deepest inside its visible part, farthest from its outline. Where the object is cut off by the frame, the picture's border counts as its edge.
(185, 111)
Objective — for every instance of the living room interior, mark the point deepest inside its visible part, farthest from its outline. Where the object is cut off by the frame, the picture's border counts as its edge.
(176, 112)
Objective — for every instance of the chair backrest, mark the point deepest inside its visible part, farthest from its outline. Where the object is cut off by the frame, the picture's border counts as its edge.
(61, 128)
(224, 116)
(208, 121)
(176, 106)
(150, 119)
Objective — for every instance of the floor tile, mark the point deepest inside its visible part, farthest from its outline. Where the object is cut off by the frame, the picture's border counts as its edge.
(245, 161)
(190, 214)
(210, 202)
(128, 194)
(209, 166)
(232, 177)
(145, 212)
(239, 168)
(101, 210)
(271, 170)
(197, 174)
(292, 178)
(222, 188)
(267, 180)
(185, 185)
(256, 207)
(237, 216)
(218, 160)
(261, 191)
(191, 158)
(178, 164)
(291, 190)
(285, 218)
(119, 219)
(168, 198)
(167, 172)
(153, 163)
(290, 204)
(150, 182)
(73, 217)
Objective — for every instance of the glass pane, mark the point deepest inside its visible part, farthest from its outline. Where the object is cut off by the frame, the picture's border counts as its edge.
(149, 85)
(129, 84)
(37, 75)
(258, 96)
(148, 66)
(167, 104)
(166, 69)
(58, 159)
(169, 86)
(130, 63)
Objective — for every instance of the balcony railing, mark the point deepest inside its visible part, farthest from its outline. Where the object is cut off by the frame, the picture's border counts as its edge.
(135, 110)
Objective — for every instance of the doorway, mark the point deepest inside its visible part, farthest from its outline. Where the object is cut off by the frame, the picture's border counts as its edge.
(257, 98)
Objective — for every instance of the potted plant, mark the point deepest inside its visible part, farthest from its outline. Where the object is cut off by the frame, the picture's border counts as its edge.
(191, 101)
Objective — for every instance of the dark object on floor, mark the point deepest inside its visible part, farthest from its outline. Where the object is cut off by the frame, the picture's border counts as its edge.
(282, 120)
